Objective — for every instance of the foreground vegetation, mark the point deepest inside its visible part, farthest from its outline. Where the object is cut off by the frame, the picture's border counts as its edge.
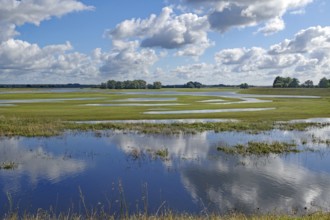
(53, 118)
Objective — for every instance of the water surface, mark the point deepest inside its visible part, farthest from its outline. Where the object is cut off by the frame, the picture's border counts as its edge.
(146, 100)
(135, 104)
(205, 111)
(194, 177)
(160, 121)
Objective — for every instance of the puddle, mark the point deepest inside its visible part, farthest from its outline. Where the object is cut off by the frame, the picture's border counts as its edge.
(6, 105)
(218, 94)
(244, 100)
(165, 121)
(312, 120)
(136, 104)
(146, 100)
(205, 111)
(213, 100)
(191, 177)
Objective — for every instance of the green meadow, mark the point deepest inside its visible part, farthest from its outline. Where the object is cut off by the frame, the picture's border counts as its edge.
(50, 118)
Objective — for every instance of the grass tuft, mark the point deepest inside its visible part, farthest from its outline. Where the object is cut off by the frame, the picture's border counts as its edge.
(260, 148)
(8, 165)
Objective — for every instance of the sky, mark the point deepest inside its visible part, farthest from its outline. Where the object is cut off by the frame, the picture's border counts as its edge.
(172, 41)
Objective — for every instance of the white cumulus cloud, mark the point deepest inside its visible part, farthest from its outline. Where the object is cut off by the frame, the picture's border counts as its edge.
(126, 60)
(224, 15)
(186, 32)
(305, 56)
(16, 13)
(56, 63)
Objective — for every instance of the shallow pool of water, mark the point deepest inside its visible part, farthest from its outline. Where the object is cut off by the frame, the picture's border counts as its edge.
(146, 100)
(312, 120)
(160, 121)
(205, 111)
(6, 105)
(135, 104)
(218, 94)
(113, 167)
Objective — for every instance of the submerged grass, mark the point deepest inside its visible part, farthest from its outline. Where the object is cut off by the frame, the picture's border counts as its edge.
(261, 148)
(163, 153)
(8, 165)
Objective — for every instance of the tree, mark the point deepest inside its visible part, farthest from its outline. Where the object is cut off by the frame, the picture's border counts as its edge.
(141, 84)
(308, 84)
(119, 85)
(190, 85)
(287, 82)
(157, 85)
(324, 83)
(278, 82)
(198, 85)
(244, 86)
(111, 84)
(103, 86)
(294, 83)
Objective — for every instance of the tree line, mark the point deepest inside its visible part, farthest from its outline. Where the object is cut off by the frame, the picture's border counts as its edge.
(288, 82)
(130, 84)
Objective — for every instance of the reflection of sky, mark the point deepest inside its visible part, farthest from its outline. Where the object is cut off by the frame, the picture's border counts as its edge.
(268, 185)
(312, 120)
(207, 111)
(159, 121)
(247, 184)
(37, 164)
(146, 100)
(136, 104)
(194, 176)
(217, 94)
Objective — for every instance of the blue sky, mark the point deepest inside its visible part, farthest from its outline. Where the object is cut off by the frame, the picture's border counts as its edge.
(211, 41)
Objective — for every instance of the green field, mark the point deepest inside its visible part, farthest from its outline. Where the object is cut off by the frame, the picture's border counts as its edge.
(48, 118)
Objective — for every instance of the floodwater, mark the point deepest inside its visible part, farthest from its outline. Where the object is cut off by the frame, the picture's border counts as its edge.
(136, 104)
(312, 120)
(114, 170)
(159, 121)
(146, 100)
(218, 94)
(205, 111)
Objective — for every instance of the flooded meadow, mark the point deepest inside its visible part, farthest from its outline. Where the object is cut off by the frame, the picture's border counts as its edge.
(186, 154)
